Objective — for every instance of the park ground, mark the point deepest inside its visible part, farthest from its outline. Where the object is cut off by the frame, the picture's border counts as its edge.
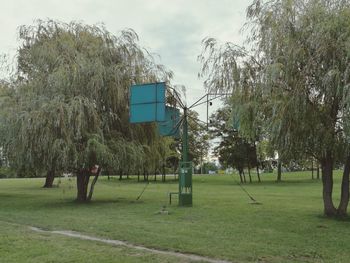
(222, 224)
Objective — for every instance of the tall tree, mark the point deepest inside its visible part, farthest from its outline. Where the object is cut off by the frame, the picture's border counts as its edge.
(73, 81)
(295, 79)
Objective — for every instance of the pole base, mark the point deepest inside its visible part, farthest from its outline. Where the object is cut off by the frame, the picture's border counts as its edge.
(185, 199)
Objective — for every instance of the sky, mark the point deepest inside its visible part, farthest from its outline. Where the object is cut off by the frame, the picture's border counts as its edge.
(171, 29)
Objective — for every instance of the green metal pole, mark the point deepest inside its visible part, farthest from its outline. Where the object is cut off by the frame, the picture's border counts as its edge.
(185, 169)
(185, 138)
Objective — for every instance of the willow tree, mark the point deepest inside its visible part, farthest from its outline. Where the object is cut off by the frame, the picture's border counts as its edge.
(7, 100)
(292, 80)
(72, 84)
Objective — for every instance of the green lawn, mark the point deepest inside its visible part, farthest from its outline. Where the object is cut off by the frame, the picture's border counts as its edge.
(20, 244)
(287, 227)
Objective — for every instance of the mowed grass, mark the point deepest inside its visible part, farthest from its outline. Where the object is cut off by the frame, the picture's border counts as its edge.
(222, 224)
(20, 244)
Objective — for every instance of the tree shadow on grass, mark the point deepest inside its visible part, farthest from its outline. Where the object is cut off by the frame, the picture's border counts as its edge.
(283, 183)
(345, 219)
(288, 182)
(16, 195)
(117, 182)
(93, 203)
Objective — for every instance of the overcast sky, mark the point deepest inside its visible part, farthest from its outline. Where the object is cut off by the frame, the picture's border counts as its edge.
(173, 29)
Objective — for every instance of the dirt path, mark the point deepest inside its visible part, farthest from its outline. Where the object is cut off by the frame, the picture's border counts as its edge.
(129, 245)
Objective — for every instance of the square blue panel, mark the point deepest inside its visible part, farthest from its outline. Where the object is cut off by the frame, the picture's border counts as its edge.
(147, 93)
(151, 112)
(147, 103)
(170, 126)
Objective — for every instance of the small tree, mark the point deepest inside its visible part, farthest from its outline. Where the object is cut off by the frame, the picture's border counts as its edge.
(198, 139)
(233, 150)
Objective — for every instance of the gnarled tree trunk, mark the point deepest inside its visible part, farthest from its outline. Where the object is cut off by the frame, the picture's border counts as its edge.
(327, 181)
(93, 184)
(83, 177)
(50, 177)
(344, 198)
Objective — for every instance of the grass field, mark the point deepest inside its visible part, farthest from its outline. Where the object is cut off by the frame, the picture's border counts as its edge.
(287, 227)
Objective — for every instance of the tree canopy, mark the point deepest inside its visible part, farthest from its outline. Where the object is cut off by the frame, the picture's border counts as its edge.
(232, 150)
(71, 92)
(290, 83)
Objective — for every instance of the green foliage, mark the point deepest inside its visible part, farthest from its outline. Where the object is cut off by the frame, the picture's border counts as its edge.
(232, 150)
(198, 139)
(71, 94)
(208, 166)
(7, 101)
(290, 86)
(7, 172)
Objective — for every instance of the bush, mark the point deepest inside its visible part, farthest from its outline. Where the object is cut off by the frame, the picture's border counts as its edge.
(7, 172)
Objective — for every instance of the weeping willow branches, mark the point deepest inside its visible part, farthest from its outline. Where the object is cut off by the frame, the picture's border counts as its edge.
(72, 89)
(292, 75)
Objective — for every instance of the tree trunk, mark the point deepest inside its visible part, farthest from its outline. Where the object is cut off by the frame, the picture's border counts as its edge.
(175, 173)
(258, 173)
(127, 173)
(83, 177)
(163, 173)
(201, 163)
(240, 175)
(327, 181)
(50, 177)
(93, 184)
(279, 171)
(257, 162)
(318, 171)
(344, 198)
(250, 177)
(244, 180)
(312, 169)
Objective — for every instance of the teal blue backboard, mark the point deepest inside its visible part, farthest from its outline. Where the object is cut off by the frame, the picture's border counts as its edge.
(170, 126)
(147, 103)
